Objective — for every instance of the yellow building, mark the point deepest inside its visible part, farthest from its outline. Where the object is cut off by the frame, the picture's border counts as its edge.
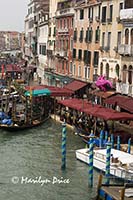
(86, 40)
(110, 37)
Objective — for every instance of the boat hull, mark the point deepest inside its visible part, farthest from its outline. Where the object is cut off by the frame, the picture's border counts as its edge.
(100, 164)
(23, 127)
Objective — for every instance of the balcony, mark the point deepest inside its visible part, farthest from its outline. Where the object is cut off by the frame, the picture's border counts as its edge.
(66, 11)
(126, 14)
(125, 49)
(124, 88)
(61, 53)
(63, 30)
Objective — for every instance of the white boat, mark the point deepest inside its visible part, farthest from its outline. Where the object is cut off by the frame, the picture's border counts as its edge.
(121, 163)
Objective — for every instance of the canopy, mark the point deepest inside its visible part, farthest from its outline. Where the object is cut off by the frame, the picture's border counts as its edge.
(55, 91)
(35, 93)
(95, 110)
(122, 101)
(76, 85)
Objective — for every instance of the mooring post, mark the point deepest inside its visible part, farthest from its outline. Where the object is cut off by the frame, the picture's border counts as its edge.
(129, 145)
(91, 147)
(118, 143)
(108, 156)
(64, 133)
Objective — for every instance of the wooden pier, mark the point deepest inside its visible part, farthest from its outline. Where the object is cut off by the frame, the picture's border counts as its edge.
(114, 192)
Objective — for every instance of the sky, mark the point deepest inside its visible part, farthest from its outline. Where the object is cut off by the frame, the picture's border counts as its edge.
(12, 14)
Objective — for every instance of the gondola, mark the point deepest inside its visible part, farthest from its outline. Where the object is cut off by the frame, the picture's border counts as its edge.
(15, 127)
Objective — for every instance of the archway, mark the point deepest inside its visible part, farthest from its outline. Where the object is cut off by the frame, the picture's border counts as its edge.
(130, 75)
(126, 36)
(124, 74)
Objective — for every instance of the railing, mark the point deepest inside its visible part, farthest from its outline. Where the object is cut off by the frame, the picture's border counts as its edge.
(125, 49)
(126, 14)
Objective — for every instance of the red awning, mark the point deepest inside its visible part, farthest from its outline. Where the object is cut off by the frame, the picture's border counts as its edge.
(122, 101)
(75, 85)
(55, 91)
(95, 110)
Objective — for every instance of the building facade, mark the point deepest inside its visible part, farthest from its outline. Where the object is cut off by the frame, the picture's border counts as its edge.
(86, 40)
(125, 49)
(110, 37)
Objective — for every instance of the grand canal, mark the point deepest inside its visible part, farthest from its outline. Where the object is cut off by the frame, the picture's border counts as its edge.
(36, 155)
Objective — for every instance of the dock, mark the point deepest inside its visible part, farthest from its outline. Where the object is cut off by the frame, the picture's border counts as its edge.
(114, 192)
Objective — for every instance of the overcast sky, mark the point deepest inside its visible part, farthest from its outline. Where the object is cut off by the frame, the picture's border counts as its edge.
(12, 14)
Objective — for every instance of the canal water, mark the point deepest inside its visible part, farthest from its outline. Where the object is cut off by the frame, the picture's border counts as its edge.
(30, 166)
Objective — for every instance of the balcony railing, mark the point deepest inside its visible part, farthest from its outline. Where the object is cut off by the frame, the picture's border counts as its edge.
(63, 30)
(61, 53)
(125, 49)
(65, 11)
(126, 14)
(124, 88)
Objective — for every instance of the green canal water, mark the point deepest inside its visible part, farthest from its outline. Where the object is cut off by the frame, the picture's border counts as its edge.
(36, 155)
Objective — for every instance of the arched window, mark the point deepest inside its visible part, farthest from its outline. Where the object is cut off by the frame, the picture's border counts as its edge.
(117, 69)
(107, 71)
(132, 36)
(124, 74)
(101, 69)
(130, 74)
(126, 36)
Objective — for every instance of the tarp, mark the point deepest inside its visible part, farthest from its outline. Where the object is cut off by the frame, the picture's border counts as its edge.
(95, 110)
(122, 101)
(76, 85)
(43, 92)
(55, 91)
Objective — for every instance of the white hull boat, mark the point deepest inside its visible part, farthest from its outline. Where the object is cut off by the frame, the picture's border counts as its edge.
(121, 163)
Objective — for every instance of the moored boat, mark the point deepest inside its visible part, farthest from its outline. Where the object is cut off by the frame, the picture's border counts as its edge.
(121, 163)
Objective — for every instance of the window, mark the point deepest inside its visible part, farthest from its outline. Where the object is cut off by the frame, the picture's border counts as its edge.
(80, 54)
(130, 75)
(107, 71)
(117, 69)
(79, 71)
(121, 6)
(126, 36)
(71, 44)
(90, 13)
(87, 57)
(99, 11)
(96, 58)
(103, 39)
(75, 35)
(43, 49)
(82, 14)
(111, 13)
(109, 40)
(101, 69)
(89, 34)
(118, 38)
(104, 14)
(50, 31)
(61, 24)
(97, 35)
(67, 23)
(81, 35)
(74, 53)
(124, 74)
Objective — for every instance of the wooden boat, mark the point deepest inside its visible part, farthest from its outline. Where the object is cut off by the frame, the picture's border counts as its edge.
(121, 163)
(16, 127)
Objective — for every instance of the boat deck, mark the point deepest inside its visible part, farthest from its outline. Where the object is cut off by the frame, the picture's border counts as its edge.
(115, 192)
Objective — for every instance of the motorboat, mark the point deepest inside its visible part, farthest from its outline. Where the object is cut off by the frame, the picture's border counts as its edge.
(121, 163)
